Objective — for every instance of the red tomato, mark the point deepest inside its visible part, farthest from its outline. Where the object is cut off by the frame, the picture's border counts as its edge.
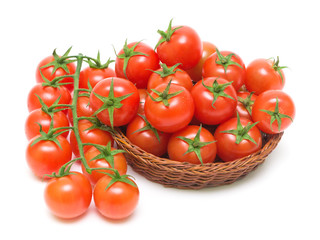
(192, 149)
(263, 75)
(274, 111)
(143, 95)
(230, 146)
(116, 202)
(244, 104)
(96, 136)
(94, 75)
(143, 135)
(68, 196)
(32, 129)
(48, 95)
(166, 74)
(179, 44)
(63, 67)
(120, 164)
(214, 103)
(119, 96)
(135, 61)
(226, 65)
(196, 72)
(46, 157)
(176, 115)
(84, 109)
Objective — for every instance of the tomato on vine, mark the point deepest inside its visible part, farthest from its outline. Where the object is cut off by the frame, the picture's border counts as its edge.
(244, 104)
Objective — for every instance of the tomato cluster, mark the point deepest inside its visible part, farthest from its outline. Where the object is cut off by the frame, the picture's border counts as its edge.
(184, 100)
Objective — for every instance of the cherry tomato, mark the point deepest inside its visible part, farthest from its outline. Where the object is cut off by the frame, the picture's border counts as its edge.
(196, 72)
(96, 135)
(244, 104)
(32, 129)
(135, 61)
(226, 65)
(180, 44)
(184, 151)
(274, 110)
(173, 112)
(119, 96)
(94, 75)
(215, 100)
(263, 75)
(46, 157)
(116, 202)
(144, 136)
(228, 147)
(120, 164)
(84, 108)
(68, 196)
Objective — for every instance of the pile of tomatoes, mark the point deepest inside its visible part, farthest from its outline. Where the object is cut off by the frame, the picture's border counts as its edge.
(184, 99)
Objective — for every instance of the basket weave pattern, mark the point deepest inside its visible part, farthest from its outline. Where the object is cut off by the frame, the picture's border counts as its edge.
(191, 176)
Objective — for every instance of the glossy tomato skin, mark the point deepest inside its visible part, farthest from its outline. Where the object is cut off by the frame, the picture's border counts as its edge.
(180, 77)
(139, 66)
(48, 95)
(143, 95)
(94, 75)
(227, 148)
(118, 201)
(147, 139)
(47, 72)
(234, 73)
(120, 164)
(177, 147)
(267, 101)
(84, 108)
(174, 117)
(32, 129)
(196, 72)
(68, 196)
(46, 157)
(184, 47)
(224, 107)
(243, 112)
(96, 136)
(123, 115)
(260, 77)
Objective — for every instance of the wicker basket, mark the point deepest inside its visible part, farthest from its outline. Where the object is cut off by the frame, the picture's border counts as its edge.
(190, 176)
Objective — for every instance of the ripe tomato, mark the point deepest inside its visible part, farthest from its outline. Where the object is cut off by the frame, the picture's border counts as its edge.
(84, 108)
(96, 135)
(143, 95)
(263, 75)
(166, 74)
(192, 144)
(179, 44)
(118, 201)
(53, 66)
(135, 61)
(274, 111)
(45, 156)
(48, 95)
(119, 161)
(240, 139)
(32, 129)
(143, 135)
(226, 65)
(244, 104)
(94, 75)
(117, 96)
(196, 72)
(171, 109)
(215, 100)
(68, 196)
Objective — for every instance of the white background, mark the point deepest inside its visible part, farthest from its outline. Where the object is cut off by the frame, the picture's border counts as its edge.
(280, 200)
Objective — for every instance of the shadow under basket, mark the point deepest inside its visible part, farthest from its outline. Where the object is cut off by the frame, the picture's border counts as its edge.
(191, 176)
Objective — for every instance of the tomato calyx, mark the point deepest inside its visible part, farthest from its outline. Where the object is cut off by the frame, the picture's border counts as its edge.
(217, 90)
(166, 71)
(55, 83)
(128, 53)
(54, 107)
(116, 177)
(165, 95)
(225, 61)
(96, 124)
(247, 102)
(63, 171)
(166, 36)
(278, 68)
(195, 144)
(148, 127)
(241, 132)
(276, 116)
(96, 63)
(111, 102)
